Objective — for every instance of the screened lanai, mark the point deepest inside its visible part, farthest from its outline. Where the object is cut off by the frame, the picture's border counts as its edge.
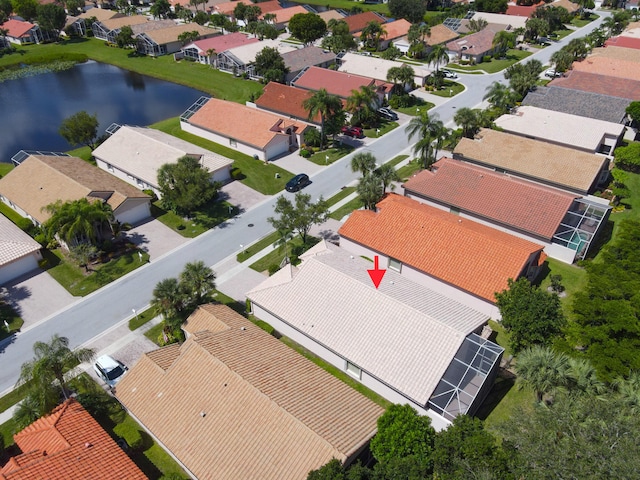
(580, 226)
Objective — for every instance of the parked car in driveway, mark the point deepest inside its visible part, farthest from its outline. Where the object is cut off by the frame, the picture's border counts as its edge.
(350, 131)
(387, 113)
(109, 370)
(449, 74)
(297, 183)
(551, 73)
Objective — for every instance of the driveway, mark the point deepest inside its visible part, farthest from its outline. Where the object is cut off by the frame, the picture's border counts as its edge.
(243, 197)
(36, 296)
(155, 238)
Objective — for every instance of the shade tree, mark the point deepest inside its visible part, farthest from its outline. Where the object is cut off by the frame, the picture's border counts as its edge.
(298, 216)
(270, 65)
(80, 129)
(307, 27)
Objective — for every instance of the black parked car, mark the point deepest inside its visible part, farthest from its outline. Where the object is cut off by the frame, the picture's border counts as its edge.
(297, 183)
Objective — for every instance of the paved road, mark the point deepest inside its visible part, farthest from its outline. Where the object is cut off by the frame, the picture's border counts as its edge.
(97, 312)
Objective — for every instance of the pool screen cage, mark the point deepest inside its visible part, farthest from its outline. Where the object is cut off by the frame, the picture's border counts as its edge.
(476, 359)
(579, 226)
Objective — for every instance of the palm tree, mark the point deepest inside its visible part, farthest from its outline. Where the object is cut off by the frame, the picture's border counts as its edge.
(437, 55)
(324, 104)
(500, 96)
(543, 370)
(77, 220)
(402, 75)
(363, 162)
(562, 60)
(578, 48)
(468, 120)
(362, 104)
(3, 34)
(370, 191)
(387, 174)
(168, 300)
(197, 281)
(504, 40)
(416, 37)
(284, 236)
(583, 377)
(628, 390)
(423, 127)
(477, 25)
(51, 362)
(371, 34)
(439, 133)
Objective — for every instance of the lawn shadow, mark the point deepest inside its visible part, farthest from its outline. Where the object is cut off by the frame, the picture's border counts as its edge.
(501, 387)
(603, 239)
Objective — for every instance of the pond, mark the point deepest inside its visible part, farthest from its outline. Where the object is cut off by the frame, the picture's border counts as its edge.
(33, 108)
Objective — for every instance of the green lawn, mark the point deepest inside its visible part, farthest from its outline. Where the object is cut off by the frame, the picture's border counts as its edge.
(78, 283)
(495, 66)
(8, 314)
(448, 89)
(574, 278)
(295, 247)
(396, 160)
(581, 22)
(10, 213)
(7, 429)
(343, 193)
(258, 246)
(346, 209)
(348, 5)
(142, 317)
(334, 153)
(409, 170)
(84, 153)
(202, 219)
(5, 168)
(416, 109)
(191, 74)
(13, 397)
(154, 333)
(253, 173)
(384, 127)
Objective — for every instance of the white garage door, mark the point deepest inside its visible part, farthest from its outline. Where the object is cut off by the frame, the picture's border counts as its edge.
(17, 268)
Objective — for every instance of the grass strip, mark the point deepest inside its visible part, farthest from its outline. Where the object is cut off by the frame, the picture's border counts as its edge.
(346, 209)
(142, 317)
(258, 246)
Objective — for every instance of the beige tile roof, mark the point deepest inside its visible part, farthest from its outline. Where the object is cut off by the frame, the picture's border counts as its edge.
(101, 14)
(119, 22)
(558, 127)
(170, 34)
(374, 67)
(615, 53)
(41, 180)
(269, 413)
(14, 243)
(330, 298)
(551, 164)
(245, 124)
(330, 15)
(141, 151)
(441, 34)
(247, 53)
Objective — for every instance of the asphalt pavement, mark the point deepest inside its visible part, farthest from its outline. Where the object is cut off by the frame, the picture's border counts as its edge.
(88, 318)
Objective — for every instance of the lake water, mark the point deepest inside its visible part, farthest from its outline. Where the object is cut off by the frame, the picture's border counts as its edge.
(33, 108)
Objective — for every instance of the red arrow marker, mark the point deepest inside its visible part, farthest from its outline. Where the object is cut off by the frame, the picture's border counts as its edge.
(376, 274)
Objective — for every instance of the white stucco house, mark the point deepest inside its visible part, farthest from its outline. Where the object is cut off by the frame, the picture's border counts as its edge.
(19, 253)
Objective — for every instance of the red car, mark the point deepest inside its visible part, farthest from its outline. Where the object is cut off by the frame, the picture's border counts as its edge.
(352, 131)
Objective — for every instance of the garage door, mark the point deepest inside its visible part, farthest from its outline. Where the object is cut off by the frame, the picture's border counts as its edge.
(15, 269)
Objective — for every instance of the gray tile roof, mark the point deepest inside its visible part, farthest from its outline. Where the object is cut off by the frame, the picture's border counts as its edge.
(578, 102)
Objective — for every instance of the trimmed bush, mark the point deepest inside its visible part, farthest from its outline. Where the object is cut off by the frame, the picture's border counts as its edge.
(304, 153)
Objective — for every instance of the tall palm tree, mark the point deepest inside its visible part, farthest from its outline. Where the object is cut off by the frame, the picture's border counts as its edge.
(362, 105)
(543, 370)
(562, 60)
(363, 162)
(437, 55)
(583, 378)
(52, 361)
(439, 133)
(197, 282)
(477, 25)
(423, 127)
(324, 104)
(370, 191)
(468, 120)
(504, 40)
(400, 77)
(168, 300)
(387, 174)
(500, 96)
(372, 33)
(77, 220)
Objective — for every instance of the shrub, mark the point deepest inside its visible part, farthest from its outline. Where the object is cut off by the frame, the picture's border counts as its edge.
(305, 153)
(486, 58)
(151, 193)
(273, 268)
(181, 227)
(130, 433)
(556, 283)
(25, 225)
(628, 158)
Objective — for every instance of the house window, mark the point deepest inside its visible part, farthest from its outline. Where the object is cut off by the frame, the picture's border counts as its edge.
(395, 264)
(109, 167)
(353, 371)
(233, 143)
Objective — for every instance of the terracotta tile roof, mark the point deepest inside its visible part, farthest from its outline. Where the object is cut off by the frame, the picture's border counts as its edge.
(441, 34)
(284, 14)
(517, 204)
(300, 58)
(623, 42)
(564, 167)
(521, 10)
(245, 124)
(336, 83)
(170, 34)
(285, 100)
(617, 53)
(360, 20)
(17, 28)
(603, 84)
(222, 43)
(244, 405)
(463, 253)
(475, 44)
(14, 243)
(396, 29)
(226, 8)
(67, 444)
(611, 67)
(41, 180)
(577, 102)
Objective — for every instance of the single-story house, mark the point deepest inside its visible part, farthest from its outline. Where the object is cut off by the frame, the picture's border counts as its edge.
(460, 258)
(586, 134)
(69, 443)
(611, 67)
(328, 15)
(561, 167)
(134, 154)
(439, 34)
(338, 83)
(255, 132)
(615, 52)
(283, 15)
(21, 32)
(298, 60)
(360, 20)
(502, 21)
(404, 341)
(394, 31)
(19, 253)
(522, 10)
(206, 50)
(378, 68)
(162, 41)
(79, 24)
(226, 8)
(285, 100)
(108, 29)
(568, 5)
(473, 47)
(239, 60)
(41, 180)
(623, 42)
(577, 102)
(243, 404)
(565, 223)
(603, 84)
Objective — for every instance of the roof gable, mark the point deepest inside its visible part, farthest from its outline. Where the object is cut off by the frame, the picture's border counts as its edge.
(463, 253)
(14, 243)
(522, 205)
(17, 28)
